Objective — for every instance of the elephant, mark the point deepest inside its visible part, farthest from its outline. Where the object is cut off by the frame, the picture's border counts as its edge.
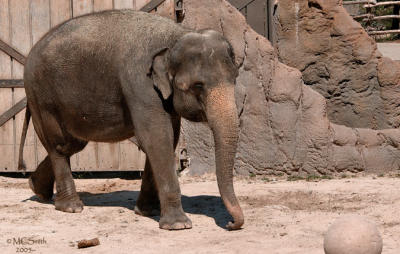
(112, 75)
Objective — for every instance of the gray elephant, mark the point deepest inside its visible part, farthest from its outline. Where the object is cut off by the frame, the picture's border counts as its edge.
(112, 75)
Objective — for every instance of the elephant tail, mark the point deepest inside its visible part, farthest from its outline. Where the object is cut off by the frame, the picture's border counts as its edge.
(21, 163)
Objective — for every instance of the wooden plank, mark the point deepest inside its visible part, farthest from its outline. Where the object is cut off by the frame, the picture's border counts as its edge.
(245, 4)
(362, 16)
(7, 160)
(20, 35)
(12, 52)
(139, 4)
(11, 83)
(101, 5)
(18, 107)
(17, 121)
(20, 22)
(5, 60)
(88, 159)
(17, 70)
(367, 17)
(81, 7)
(123, 4)
(4, 21)
(74, 160)
(40, 19)
(151, 5)
(6, 128)
(6, 137)
(384, 17)
(359, 2)
(167, 9)
(256, 14)
(374, 5)
(40, 24)
(239, 4)
(60, 11)
(131, 158)
(384, 32)
(108, 155)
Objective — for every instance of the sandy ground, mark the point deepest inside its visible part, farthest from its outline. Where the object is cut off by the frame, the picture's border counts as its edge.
(281, 216)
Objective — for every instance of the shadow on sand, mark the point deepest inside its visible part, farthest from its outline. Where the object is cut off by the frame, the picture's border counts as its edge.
(211, 206)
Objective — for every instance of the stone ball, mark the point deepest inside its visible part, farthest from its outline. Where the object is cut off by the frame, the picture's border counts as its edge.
(353, 235)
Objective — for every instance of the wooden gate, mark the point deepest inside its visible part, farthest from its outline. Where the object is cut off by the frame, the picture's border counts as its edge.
(22, 23)
(258, 14)
(370, 13)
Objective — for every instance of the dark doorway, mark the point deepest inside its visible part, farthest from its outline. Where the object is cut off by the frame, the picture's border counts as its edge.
(257, 13)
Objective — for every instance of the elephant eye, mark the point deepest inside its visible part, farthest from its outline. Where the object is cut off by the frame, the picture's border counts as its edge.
(198, 86)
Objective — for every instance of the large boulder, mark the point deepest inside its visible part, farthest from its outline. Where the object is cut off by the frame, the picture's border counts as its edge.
(339, 60)
(284, 125)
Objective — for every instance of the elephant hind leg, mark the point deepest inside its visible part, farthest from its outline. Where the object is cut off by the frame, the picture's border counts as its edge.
(148, 202)
(42, 180)
(67, 199)
(60, 145)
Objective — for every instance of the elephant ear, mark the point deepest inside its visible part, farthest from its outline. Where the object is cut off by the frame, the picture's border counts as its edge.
(159, 73)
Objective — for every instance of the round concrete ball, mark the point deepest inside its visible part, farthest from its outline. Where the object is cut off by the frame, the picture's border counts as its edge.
(352, 235)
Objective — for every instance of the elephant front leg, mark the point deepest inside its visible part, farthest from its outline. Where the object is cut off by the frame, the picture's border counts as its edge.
(156, 136)
(163, 168)
(148, 202)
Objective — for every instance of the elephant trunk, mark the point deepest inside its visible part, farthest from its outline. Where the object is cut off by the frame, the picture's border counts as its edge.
(223, 119)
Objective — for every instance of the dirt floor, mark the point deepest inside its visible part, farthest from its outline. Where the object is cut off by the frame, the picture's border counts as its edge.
(281, 216)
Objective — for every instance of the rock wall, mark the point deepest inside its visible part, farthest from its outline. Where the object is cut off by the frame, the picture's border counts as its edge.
(339, 60)
(284, 125)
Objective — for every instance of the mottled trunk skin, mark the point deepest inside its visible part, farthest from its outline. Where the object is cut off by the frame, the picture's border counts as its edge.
(223, 120)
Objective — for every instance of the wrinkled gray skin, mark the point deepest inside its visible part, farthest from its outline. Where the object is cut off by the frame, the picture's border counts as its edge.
(109, 76)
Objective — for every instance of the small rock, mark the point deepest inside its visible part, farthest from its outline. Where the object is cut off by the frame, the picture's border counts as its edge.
(88, 243)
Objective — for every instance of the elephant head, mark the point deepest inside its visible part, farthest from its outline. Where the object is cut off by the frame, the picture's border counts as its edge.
(199, 74)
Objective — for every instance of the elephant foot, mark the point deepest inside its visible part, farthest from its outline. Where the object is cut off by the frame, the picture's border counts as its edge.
(147, 210)
(175, 220)
(43, 190)
(69, 205)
